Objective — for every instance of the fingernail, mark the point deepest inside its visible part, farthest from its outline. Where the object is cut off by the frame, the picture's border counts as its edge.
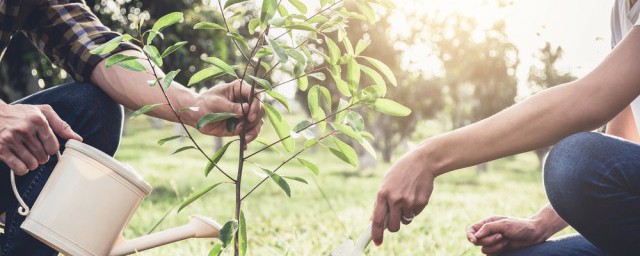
(377, 244)
(499, 236)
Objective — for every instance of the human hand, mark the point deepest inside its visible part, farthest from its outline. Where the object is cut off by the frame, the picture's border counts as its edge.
(224, 98)
(27, 136)
(404, 193)
(499, 233)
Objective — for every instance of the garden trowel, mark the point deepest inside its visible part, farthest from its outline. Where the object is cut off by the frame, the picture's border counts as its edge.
(351, 248)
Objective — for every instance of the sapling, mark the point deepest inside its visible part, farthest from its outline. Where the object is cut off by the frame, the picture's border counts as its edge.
(282, 33)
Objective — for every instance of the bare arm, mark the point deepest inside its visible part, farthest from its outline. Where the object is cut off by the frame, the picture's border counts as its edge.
(539, 121)
(131, 89)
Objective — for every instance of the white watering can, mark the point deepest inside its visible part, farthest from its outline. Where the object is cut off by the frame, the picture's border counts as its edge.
(87, 202)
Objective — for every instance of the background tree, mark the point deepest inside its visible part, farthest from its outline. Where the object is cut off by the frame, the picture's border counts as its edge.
(546, 75)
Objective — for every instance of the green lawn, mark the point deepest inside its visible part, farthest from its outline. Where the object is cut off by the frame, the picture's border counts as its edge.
(306, 224)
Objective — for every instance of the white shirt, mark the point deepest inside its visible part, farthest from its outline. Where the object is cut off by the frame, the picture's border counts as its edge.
(623, 18)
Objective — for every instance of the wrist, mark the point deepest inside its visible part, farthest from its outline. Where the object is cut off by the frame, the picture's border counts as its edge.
(432, 156)
(542, 228)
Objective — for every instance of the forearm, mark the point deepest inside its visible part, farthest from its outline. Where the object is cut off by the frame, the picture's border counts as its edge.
(132, 90)
(544, 118)
(548, 222)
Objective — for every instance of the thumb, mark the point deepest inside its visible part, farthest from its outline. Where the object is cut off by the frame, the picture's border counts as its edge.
(489, 229)
(236, 108)
(59, 126)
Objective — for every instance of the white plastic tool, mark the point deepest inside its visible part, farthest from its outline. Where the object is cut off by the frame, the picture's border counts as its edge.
(351, 248)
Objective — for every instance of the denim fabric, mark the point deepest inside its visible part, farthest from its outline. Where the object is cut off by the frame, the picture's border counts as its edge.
(568, 245)
(593, 181)
(89, 112)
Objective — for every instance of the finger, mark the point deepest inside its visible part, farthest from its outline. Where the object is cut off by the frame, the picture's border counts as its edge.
(244, 88)
(58, 125)
(25, 156)
(255, 110)
(490, 240)
(378, 220)
(491, 228)
(395, 215)
(471, 237)
(33, 144)
(14, 163)
(498, 247)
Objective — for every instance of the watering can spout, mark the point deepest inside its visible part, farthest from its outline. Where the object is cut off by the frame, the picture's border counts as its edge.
(198, 227)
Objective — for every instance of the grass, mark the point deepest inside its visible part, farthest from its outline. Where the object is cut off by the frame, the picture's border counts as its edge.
(306, 224)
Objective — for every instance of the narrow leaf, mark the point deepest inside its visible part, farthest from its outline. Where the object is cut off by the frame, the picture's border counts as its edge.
(344, 152)
(212, 118)
(361, 46)
(312, 167)
(173, 48)
(222, 65)
(280, 98)
(280, 52)
(242, 235)
(313, 101)
(216, 250)
(197, 195)
(132, 65)
(282, 183)
(298, 179)
(170, 138)
(168, 79)
(303, 83)
(281, 126)
(145, 109)
(353, 75)
(262, 82)
(205, 74)
(162, 22)
(216, 158)
(334, 51)
(346, 130)
(117, 58)
(267, 11)
(390, 107)
(182, 149)
(384, 69)
(208, 25)
(253, 24)
(300, 6)
(153, 54)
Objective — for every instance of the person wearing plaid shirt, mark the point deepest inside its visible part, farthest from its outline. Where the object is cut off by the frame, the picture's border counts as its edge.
(89, 110)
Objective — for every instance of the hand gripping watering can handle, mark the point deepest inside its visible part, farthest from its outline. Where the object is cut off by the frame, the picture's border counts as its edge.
(24, 208)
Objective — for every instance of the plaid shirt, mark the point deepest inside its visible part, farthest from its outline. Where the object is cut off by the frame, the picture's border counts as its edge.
(64, 30)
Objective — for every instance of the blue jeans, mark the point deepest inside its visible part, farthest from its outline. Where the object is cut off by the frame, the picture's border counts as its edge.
(593, 182)
(89, 112)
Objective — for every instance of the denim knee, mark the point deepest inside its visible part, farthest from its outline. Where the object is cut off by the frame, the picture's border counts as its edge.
(571, 168)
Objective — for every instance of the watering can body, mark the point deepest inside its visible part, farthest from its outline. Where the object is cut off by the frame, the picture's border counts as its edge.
(87, 203)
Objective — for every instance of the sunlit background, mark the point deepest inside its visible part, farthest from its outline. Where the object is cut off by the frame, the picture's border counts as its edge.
(456, 61)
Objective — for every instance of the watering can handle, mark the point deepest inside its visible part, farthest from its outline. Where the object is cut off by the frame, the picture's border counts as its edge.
(24, 208)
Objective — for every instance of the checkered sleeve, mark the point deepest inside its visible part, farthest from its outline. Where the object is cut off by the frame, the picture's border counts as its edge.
(65, 31)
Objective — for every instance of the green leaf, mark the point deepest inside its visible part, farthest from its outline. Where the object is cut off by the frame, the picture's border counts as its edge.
(280, 98)
(282, 10)
(232, 123)
(205, 74)
(182, 149)
(353, 75)
(348, 46)
(374, 76)
(367, 147)
(340, 116)
(163, 22)
(168, 79)
(313, 100)
(343, 87)
(367, 11)
(282, 183)
(303, 83)
(318, 75)
(208, 26)
(133, 65)
(355, 120)
(298, 179)
(253, 24)
(346, 130)
(173, 48)
(361, 46)
(384, 69)
(326, 94)
(281, 126)
(227, 231)
(197, 195)
(239, 39)
(267, 11)
(301, 26)
(222, 65)
(334, 51)
(390, 107)
(344, 152)
(232, 2)
(262, 82)
(301, 126)
(280, 52)
(212, 118)
(216, 158)
(145, 109)
(300, 6)
(110, 45)
(242, 235)
(312, 167)
(117, 58)
(216, 250)
(170, 138)
(153, 54)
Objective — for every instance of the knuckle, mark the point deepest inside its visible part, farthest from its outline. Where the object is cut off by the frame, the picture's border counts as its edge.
(383, 194)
